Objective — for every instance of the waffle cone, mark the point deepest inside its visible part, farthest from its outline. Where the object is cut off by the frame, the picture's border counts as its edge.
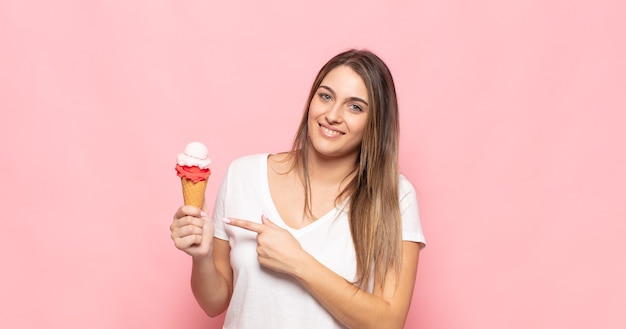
(193, 193)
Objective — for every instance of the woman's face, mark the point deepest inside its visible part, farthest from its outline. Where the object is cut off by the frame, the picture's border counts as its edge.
(338, 113)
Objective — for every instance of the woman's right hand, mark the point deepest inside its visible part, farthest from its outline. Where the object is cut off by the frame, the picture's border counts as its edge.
(192, 231)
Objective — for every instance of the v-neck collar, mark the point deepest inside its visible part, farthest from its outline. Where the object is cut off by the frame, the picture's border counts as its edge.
(274, 215)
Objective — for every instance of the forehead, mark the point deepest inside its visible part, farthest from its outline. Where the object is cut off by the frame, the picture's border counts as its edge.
(344, 79)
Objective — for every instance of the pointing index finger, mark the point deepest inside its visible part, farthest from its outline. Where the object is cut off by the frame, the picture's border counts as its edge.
(245, 224)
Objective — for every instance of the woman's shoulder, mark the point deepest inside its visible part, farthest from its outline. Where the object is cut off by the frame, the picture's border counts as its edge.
(259, 160)
(405, 186)
(247, 161)
(246, 168)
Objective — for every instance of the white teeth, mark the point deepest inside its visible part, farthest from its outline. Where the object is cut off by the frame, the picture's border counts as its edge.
(331, 132)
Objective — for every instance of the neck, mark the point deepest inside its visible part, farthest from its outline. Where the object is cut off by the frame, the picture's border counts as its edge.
(330, 170)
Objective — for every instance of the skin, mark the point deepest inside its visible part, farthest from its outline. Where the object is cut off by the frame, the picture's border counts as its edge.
(338, 115)
(337, 119)
(336, 123)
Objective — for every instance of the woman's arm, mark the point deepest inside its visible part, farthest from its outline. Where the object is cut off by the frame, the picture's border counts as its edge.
(386, 307)
(212, 279)
(211, 274)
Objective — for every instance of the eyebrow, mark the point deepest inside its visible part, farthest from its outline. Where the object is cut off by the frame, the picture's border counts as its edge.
(354, 99)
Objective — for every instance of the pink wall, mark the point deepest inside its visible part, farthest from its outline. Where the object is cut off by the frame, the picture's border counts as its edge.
(513, 116)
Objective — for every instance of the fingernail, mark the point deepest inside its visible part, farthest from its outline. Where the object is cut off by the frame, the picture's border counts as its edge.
(202, 214)
(226, 220)
(264, 215)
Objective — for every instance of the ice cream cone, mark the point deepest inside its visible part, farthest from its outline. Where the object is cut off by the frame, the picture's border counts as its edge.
(192, 166)
(193, 193)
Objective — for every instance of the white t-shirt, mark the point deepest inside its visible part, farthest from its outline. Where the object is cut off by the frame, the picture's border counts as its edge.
(263, 298)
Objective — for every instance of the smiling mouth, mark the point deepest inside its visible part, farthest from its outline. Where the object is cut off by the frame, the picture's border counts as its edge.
(330, 132)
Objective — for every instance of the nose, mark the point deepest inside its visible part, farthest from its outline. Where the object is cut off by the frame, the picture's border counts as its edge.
(333, 115)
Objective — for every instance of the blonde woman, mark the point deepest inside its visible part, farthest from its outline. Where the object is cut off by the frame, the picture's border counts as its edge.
(326, 235)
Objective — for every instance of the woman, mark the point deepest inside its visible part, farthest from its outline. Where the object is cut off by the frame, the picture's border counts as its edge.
(324, 236)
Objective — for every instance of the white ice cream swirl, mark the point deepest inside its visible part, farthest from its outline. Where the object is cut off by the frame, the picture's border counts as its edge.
(196, 154)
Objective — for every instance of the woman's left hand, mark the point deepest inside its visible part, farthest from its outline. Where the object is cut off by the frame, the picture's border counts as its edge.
(278, 250)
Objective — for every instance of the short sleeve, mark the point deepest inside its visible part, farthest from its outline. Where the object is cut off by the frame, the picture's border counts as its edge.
(219, 210)
(411, 225)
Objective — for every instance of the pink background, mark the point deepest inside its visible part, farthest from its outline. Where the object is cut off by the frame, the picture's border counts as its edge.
(513, 116)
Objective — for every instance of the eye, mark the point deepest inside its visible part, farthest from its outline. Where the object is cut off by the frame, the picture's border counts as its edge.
(325, 96)
(355, 108)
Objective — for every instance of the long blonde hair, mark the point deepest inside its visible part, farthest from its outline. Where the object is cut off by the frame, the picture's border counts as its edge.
(374, 210)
